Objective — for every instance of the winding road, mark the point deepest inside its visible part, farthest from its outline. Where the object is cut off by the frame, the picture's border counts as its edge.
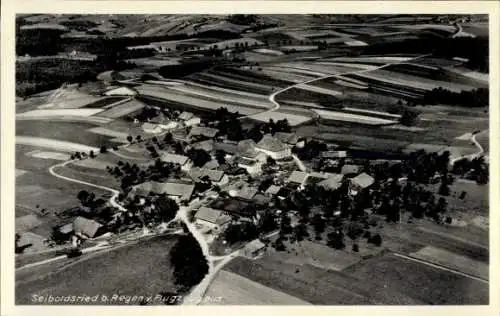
(474, 155)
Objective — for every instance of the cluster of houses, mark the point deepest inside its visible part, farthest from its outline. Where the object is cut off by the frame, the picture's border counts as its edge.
(161, 123)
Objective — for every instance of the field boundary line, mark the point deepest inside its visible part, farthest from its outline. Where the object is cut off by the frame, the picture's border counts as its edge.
(441, 267)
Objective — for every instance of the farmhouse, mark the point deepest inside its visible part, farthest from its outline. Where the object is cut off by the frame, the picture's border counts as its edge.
(86, 228)
(253, 167)
(203, 131)
(176, 191)
(184, 161)
(350, 169)
(246, 149)
(163, 122)
(273, 190)
(207, 145)
(189, 119)
(215, 219)
(297, 178)
(230, 149)
(247, 193)
(212, 164)
(126, 91)
(151, 128)
(232, 206)
(360, 183)
(254, 248)
(216, 176)
(195, 120)
(287, 138)
(333, 182)
(184, 116)
(273, 147)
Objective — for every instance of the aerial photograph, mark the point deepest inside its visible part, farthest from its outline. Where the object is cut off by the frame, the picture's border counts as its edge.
(247, 159)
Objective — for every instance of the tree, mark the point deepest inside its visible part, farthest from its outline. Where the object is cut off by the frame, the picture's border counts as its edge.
(267, 222)
(166, 209)
(138, 138)
(336, 240)
(103, 150)
(130, 138)
(319, 225)
(355, 248)
(168, 138)
(408, 117)
(443, 188)
(154, 139)
(91, 154)
(199, 156)
(220, 156)
(189, 263)
(376, 240)
(83, 196)
(57, 237)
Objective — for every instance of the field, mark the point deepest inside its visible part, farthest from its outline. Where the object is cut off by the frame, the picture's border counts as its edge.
(63, 131)
(449, 259)
(421, 282)
(316, 285)
(232, 289)
(143, 266)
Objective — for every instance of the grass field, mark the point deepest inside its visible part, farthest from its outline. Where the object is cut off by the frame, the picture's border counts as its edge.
(421, 282)
(316, 285)
(63, 131)
(232, 289)
(141, 268)
(452, 260)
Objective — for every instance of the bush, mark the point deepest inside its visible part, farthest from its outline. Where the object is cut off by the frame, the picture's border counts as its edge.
(75, 252)
(355, 248)
(376, 240)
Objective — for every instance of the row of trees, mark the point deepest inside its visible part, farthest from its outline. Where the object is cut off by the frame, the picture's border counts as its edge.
(473, 98)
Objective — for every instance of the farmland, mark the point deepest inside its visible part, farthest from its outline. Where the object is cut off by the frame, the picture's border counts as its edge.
(136, 264)
(244, 102)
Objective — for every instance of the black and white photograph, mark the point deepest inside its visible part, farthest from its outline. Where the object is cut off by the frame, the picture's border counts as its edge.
(252, 159)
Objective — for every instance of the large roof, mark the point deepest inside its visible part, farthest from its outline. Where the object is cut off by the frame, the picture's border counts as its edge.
(247, 192)
(288, 138)
(333, 182)
(182, 190)
(273, 189)
(350, 169)
(185, 116)
(212, 216)
(207, 145)
(174, 158)
(204, 131)
(227, 147)
(298, 177)
(270, 143)
(85, 226)
(200, 173)
(363, 180)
